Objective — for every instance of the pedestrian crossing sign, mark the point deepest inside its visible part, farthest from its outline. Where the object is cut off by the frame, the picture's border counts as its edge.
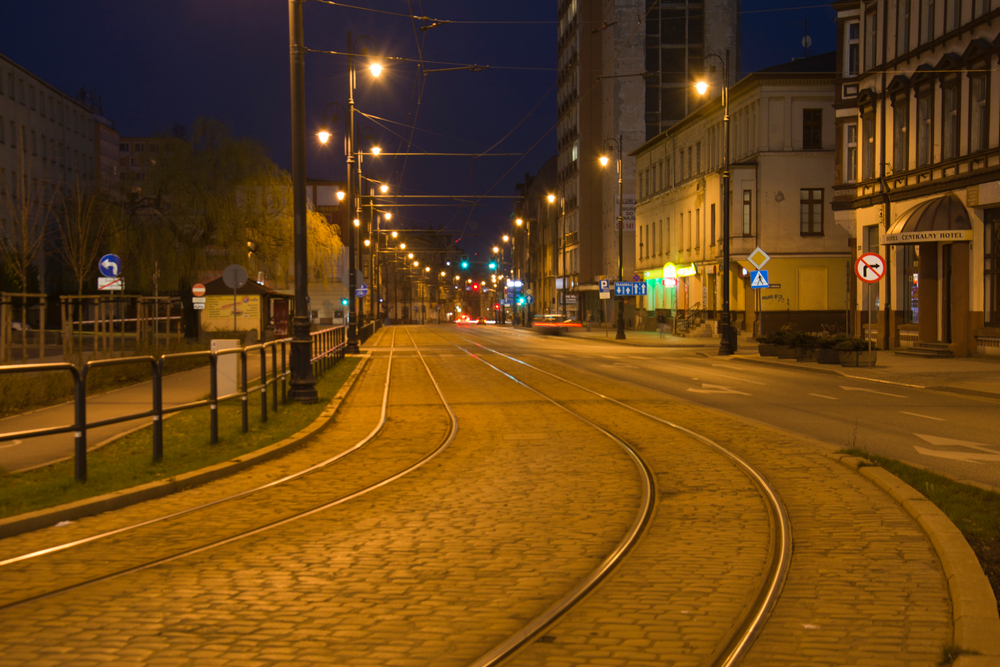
(758, 279)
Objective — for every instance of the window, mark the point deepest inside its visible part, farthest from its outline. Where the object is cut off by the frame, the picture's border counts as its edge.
(902, 27)
(697, 228)
(980, 7)
(13, 134)
(1, 130)
(925, 121)
(138, 148)
(711, 229)
(20, 91)
(652, 244)
(123, 147)
(697, 158)
(868, 137)
(747, 201)
(900, 136)
(812, 129)
(45, 154)
(926, 21)
(31, 96)
(690, 171)
(851, 153)
(853, 50)
(687, 232)
(952, 14)
(666, 236)
(811, 211)
(911, 274)
(34, 143)
(871, 39)
(10, 86)
(575, 153)
(949, 121)
(978, 117)
(991, 266)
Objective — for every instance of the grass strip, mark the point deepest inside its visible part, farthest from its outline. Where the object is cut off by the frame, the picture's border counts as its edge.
(974, 511)
(128, 461)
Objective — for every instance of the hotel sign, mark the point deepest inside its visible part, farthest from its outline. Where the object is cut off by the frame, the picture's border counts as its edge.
(929, 236)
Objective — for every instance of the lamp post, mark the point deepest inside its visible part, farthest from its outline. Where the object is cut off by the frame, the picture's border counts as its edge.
(619, 301)
(352, 199)
(303, 382)
(727, 334)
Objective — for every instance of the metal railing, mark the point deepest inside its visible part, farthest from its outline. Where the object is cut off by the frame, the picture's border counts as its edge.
(328, 347)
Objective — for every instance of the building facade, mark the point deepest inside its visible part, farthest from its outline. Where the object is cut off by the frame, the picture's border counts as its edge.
(918, 168)
(625, 68)
(782, 160)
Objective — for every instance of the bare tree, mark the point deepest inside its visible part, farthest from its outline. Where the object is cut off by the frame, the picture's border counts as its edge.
(82, 225)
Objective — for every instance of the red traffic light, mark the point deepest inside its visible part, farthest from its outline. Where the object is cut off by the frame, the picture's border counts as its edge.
(475, 287)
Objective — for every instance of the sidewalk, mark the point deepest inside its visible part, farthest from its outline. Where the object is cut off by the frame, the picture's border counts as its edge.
(978, 376)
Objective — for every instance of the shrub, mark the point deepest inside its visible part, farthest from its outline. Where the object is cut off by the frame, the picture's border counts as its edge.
(802, 339)
(827, 342)
(853, 345)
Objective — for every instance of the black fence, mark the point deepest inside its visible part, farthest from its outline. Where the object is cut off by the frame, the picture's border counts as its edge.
(328, 347)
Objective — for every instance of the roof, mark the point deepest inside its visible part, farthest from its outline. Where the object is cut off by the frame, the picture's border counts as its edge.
(824, 63)
(940, 219)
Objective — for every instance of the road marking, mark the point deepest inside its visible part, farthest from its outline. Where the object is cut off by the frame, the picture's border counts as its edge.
(716, 389)
(738, 379)
(822, 396)
(914, 414)
(988, 453)
(12, 443)
(872, 391)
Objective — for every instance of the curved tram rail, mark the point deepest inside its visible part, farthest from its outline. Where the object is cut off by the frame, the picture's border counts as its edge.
(446, 441)
(750, 624)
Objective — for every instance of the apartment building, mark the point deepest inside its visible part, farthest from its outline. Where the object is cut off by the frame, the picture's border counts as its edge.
(625, 68)
(918, 168)
(782, 162)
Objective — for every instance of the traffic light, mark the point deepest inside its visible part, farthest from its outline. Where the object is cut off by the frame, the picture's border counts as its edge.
(344, 301)
(464, 264)
(475, 287)
(493, 266)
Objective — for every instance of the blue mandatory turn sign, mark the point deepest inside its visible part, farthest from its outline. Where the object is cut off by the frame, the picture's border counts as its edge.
(758, 279)
(110, 266)
(630, 288)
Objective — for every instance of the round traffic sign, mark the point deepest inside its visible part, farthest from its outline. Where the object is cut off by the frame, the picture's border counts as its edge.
(870, 267)
(198, 289)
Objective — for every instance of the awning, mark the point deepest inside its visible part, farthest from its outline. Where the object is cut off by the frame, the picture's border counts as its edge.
(941, 219)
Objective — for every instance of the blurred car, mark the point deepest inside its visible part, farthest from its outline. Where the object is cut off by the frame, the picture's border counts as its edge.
(553, 325)
(462, 319)
(481, 320)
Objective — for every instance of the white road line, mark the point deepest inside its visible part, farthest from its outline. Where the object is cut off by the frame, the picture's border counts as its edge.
(872, 391)
(822, 396)
(914, 414)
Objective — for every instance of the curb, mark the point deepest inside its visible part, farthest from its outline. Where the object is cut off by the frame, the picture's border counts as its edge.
(974, 607)
(44, 518)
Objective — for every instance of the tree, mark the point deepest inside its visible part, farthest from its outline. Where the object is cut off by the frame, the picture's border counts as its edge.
(83, 224)
(24, 215)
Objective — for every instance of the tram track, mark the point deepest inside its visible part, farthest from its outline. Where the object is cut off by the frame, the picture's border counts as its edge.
(10, 571)
(752, 620)
(728, 653)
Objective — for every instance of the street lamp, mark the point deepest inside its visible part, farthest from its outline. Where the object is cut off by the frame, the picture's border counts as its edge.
(352, 200)
(620, 300)
(727, 334)
(562, 243)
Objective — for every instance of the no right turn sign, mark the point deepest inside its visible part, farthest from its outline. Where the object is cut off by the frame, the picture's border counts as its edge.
(870, 267)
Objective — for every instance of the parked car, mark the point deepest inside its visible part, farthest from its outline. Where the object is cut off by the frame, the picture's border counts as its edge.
(17, 326)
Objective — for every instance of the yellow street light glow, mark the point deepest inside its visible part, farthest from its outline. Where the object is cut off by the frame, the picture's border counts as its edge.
(496, 249)
(409, 255)
(384, 188)
(402, 246)
(395, 233)
(427, 269)
(376, 150)
(604, 160)
(375, 69)
(506, 238)
(340, 195)
(443, 273)
(324, 136)
(368, 242)
(701, 87)
(416, 263)
(552, 199)
(519, 222)
(357, 223)
(388, 216)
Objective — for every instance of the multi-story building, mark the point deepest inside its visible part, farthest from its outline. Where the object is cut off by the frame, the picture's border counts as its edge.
(781, 157)
(625, 68)
(136, 155)
(46, 143)
(537, 249)
(107, 153)
(918, 163)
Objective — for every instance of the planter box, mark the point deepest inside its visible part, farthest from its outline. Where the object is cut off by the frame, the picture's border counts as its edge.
(785, 352)
(805, 353)
(827, 355)
(859, 359)
(767, 350)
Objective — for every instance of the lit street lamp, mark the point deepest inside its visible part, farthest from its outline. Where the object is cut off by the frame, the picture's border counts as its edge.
(727, 333)
(620, 301)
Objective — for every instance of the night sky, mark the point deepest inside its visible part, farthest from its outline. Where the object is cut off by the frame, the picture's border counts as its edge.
(157, 62)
